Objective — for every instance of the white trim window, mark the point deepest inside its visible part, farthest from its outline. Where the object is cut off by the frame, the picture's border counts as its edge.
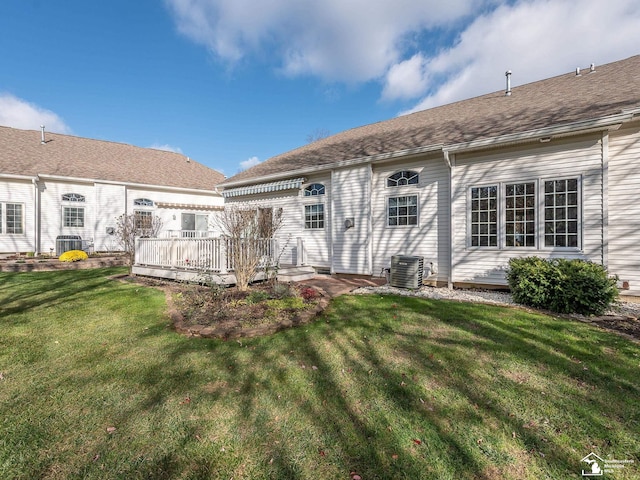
(402, 211)
(561, 213)
(484, 216)
(404, 177)
(314, 216)
(520, 214)
(314, 213)
(142, 219)
(142, 202)
(11, 218)
(72, 216)
(314, 190)
(506, 215)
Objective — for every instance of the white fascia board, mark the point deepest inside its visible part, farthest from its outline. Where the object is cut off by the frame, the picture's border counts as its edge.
(58, 178)
(9, 176)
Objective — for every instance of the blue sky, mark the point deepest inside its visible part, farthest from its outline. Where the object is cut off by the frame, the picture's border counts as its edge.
(234, 82)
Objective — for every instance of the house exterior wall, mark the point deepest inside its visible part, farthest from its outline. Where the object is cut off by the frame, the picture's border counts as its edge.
(429, 238)
(624, 206)
(110, 203)
(167, 214)
(21, 192)
(103, 204)
(51, 211)
(317, 241)
(579, 158)
(350, 199)
(292, 219)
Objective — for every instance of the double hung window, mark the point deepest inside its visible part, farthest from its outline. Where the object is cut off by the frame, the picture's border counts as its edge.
(72, 214)
(12, 218)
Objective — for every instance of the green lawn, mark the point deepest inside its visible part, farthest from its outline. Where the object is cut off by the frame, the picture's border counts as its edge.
(93, 384)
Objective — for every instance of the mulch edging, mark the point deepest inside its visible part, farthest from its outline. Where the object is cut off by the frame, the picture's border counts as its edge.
(50, 265)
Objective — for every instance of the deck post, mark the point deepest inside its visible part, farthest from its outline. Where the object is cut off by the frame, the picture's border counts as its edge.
(173, 254)
(222, 247)
(299, 252)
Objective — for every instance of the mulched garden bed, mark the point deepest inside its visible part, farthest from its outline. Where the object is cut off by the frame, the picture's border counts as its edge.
(226, 312)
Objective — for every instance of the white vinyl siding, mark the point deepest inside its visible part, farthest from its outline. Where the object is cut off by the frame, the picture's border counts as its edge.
(563, 159)
(22, 193)
(430, 237)
(350, 198)
(624, 207)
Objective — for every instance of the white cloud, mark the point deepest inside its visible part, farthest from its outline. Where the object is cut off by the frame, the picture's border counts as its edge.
(535, 39)
(407, 79)
(351, 41)
(18, 113)
(251, 162)
(402, 43)
(166, 147)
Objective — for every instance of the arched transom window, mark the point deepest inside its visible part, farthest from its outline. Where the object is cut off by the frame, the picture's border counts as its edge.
(405, 177)
(314, 189)
(72, 197)
(143, 202)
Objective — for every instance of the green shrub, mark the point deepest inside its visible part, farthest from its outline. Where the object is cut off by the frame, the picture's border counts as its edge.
(257, 296)
(560, 285)
(73, 256)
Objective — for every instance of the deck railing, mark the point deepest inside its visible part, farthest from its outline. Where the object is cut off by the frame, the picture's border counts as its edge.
(201, 254)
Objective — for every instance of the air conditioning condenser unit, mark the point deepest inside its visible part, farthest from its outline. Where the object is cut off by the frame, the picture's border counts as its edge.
(406, 271)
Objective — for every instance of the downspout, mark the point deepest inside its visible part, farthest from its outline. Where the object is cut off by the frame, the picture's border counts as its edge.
(450, 164)
(605, 199)
(370, 221)
(36, 216)
(331, 224)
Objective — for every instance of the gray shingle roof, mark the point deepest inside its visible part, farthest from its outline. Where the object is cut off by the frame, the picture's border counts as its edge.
(21, 153)
(564, 99)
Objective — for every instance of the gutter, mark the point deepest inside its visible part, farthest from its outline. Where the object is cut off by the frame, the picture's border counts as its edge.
(447, 160)
(612, 122)
(128, 184)
(9, 176)
(36, 215)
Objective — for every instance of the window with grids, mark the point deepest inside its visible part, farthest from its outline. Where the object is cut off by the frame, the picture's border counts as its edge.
(520, 214)
(484, 216)
(561, 213)
(405, 177)
(142, 219)
(143, 202)
(314, 216)
(13, 220)
(73, 216)
(72, 197)
(402, 210)
(314, 189)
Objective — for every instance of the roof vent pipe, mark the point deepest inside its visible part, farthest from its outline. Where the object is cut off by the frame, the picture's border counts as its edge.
(577, 71)
(592, 68)
(42, 140)
(508, 90)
